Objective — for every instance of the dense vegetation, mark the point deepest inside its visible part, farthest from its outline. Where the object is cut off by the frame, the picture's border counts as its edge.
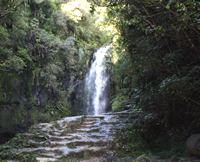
(45, 47)
(156, 72)
(154, 63)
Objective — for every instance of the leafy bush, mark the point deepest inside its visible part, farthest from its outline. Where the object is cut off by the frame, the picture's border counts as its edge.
(155, 64)
(130, 141)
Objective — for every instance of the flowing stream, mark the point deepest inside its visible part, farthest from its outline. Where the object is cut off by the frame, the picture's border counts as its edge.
(97, 85)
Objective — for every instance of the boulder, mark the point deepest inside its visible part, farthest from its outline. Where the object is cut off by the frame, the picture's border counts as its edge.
(193, 145)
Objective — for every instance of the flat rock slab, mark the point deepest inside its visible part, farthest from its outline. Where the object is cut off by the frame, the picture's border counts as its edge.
(94, 159)
(42, 159)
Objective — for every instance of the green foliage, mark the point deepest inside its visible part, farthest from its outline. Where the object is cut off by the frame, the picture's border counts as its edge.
(86, 155)
(119, 102)
(130, 141)
(59, 110)
(155, 67)
(71, 146)
(18, 141)
(41, 48)
(13, 63)
(24, 54)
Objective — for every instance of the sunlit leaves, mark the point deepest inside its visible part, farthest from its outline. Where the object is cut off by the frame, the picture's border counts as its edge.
(13, 63)
(23, 53)
(54, 55)
(39, 1)
(34, 23)
(7, 7)
(50, 73)
(4, 35)
(76, 10)
(8, 60)
(62, 23)
(167, 7)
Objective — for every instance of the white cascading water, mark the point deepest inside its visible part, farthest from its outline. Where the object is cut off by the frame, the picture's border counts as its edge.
(97, 85)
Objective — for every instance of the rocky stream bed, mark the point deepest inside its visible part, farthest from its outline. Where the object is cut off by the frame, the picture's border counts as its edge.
(74, 139)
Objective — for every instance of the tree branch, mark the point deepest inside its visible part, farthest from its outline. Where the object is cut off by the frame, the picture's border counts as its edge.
(195, 50)
(189, 99)
(189, 26)
(152, 25)
(9, 11)
(149, 15)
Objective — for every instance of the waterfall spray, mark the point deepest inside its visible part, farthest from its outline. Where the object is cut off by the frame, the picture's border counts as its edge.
(97, 85)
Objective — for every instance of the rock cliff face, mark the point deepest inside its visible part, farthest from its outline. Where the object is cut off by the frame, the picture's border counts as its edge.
(15, 112)
(9, 123)
(76, 98)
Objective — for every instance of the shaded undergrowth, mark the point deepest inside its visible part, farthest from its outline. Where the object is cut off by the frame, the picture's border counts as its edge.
(130, 141)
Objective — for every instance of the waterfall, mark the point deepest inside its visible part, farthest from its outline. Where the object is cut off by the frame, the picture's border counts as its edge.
(97, 85)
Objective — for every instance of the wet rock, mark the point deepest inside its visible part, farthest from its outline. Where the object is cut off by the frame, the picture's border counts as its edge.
(193, 145)
(94, 159)
(143, 159)
(111, 159)
(90, 138)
